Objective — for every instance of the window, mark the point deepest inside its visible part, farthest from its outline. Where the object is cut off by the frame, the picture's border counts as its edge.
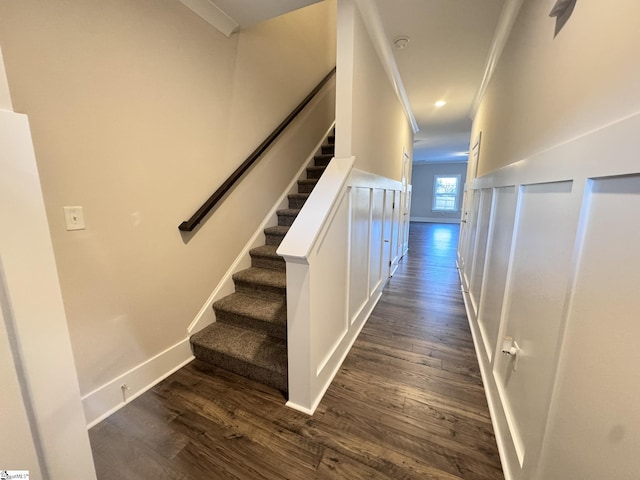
(445, 193)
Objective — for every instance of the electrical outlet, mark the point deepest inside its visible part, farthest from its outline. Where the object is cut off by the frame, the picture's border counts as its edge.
(74, 218)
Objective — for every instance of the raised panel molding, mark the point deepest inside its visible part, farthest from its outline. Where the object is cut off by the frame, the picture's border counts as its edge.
(559, 275)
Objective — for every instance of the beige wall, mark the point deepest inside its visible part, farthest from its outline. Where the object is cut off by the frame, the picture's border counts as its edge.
(546, 91)
(5, 97)
(370, 121)
(139, 110)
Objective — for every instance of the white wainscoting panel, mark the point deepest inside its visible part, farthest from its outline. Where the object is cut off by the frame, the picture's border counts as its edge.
(335, 273)
(559, 238)
(482, 237)
(537, 288)
(376, 243)
(359, 259)
(329, 330)
(597, 400)
(496, 263)
(469, 238)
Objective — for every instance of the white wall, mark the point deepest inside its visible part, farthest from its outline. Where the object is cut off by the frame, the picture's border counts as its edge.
(17, 449)
(423, 184)
(139, 111)
(549, 253)
(41, 417)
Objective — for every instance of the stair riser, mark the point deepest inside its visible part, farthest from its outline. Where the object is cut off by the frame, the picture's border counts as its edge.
(314, 173)
(271, 239)
(305, 187)
(286, 220)
(259, 290)
(296, 202)
(240, 367)
(328, 149)
(271, 329)
(322, 161)
(269, 262)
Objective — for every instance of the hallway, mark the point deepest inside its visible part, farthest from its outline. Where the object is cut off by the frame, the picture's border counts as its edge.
(408, 401)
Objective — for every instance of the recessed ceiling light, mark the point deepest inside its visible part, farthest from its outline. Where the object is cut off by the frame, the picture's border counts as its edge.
(401, 42)
(440, 103)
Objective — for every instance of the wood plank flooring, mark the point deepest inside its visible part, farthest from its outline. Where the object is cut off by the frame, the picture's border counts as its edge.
(408, 402)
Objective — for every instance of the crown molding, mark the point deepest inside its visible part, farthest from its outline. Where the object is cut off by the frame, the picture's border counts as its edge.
(371, 16)
(507, 19)
(213, 15)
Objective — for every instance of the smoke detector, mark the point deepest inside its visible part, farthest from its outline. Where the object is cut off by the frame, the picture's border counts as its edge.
(401, 42)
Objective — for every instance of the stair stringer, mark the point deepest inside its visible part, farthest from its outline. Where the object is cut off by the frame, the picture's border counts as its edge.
(206, 315)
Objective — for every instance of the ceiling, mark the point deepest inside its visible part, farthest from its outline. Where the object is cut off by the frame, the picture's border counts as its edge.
(445, 59)
(250, 12)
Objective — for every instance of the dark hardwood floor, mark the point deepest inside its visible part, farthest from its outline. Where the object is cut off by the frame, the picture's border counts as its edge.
(408, 402)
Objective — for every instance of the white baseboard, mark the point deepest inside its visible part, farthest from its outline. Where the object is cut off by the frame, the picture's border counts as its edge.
(109, 398)
(435, 220)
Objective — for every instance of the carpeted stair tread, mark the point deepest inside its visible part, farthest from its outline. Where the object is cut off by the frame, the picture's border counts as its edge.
(268, 316)
(245, 352)
(315, 171)
(322, 160)
(290, 212)
(274, 235)
(287, 216)
(266, 251)
(262, 277)
(330, 148)
(297, 200)
(299, 195)
(273, 311)
(265, 256)
(307, 184)
(277, 230)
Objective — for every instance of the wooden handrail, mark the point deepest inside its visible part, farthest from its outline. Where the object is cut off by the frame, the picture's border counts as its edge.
(202, 212)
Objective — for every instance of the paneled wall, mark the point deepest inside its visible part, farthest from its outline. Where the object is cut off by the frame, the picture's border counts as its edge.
(549, 265)
(340, 252)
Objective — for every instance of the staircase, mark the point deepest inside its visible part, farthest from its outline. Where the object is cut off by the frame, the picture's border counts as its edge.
(249, 336)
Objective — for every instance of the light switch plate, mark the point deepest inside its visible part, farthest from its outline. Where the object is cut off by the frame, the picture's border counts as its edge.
(74, 218)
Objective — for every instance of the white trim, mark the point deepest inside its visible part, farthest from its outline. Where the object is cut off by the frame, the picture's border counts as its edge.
(507, 19)
(305, 232)
(33, 319)
(212, 14)
(373, 23)
(495, 407)
(457, 202)
(107, 399)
